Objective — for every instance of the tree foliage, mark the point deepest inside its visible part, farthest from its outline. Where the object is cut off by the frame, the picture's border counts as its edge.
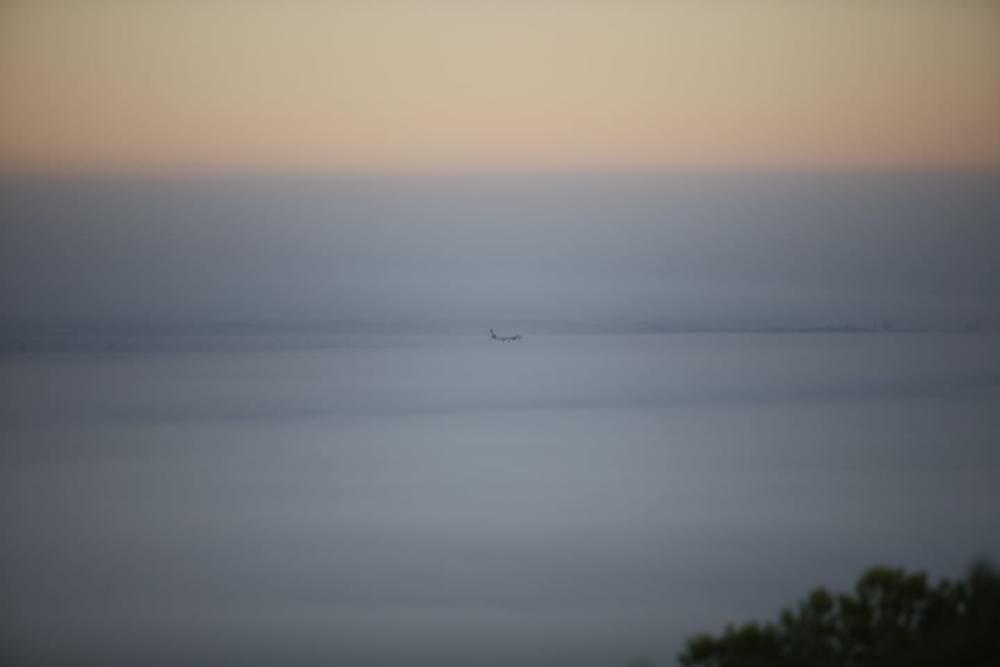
(891, 618)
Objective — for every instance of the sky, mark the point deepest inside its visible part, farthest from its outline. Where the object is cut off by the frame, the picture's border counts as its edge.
(143, 86)
(807, 163)
(468, 252)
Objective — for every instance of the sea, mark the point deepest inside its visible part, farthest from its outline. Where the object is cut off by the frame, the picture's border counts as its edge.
(396, 499)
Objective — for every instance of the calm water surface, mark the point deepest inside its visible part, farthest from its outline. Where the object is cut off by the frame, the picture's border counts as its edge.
(441, 499)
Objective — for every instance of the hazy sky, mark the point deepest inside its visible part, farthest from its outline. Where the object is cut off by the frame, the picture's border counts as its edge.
(919, 249)
(120, 85)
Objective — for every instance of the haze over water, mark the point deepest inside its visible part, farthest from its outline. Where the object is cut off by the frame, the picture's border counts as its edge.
(446, 499)
(225, 443)
(585, 250)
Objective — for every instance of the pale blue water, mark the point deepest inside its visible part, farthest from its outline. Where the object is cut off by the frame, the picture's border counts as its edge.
(451, 500)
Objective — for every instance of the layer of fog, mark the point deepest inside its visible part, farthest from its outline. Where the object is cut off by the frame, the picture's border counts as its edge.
(914, 250)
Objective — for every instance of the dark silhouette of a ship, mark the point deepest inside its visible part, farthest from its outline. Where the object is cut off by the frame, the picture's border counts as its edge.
(504, 339)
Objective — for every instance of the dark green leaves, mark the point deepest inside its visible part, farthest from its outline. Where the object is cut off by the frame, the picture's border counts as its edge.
(892, 618)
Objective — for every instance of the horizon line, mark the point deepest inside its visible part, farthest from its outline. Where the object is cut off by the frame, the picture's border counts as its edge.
(151, 173)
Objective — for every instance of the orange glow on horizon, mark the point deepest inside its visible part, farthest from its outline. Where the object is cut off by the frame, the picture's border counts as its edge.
(111, 85)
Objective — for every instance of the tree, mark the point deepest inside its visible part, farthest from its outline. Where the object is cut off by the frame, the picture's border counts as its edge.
(891, 618)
